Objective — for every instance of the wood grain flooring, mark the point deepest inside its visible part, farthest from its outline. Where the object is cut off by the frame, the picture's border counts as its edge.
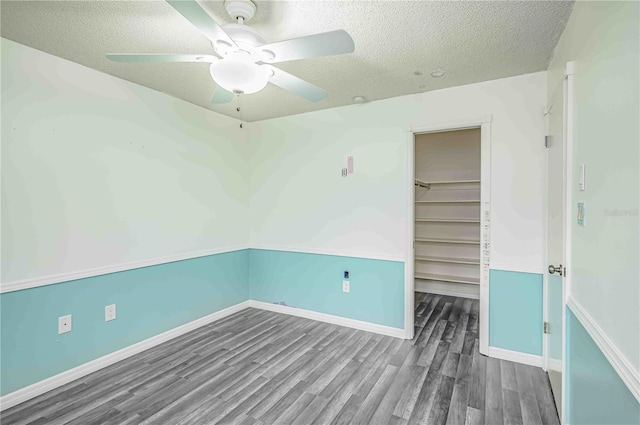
(258, 367)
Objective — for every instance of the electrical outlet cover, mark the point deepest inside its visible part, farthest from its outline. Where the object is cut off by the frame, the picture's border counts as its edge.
(64, 324)
(345, 286)
(109, 312)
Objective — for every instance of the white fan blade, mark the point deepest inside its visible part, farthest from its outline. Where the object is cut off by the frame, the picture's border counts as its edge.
(195, 14)
(221, 95)
(311, 46)
(153, 58)
(296, 85)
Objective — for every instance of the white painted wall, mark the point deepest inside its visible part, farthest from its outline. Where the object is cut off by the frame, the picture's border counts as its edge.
(300, 201)
(602, 38)
(97, 171)
(82, 139)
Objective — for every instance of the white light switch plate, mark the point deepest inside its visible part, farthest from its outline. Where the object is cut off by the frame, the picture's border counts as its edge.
(345, 286)
(64, 324)
(582, 177)
(582, 214)
(110, 312)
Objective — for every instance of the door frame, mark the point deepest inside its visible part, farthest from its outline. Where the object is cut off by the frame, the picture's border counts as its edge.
(567, 130)
(484, 124)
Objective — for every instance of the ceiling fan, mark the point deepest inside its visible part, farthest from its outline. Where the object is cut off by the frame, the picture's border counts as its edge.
(244, 58)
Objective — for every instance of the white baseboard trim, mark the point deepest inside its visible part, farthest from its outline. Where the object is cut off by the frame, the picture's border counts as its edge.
(460, 290)
(20, 396)
(515, 356)
(336, 252)
(329, 318)
(18, 285)
(618, 361)
(41, 387)
(554, 364)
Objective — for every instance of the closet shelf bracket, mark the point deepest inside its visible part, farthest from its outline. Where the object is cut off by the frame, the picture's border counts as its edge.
(420, 183)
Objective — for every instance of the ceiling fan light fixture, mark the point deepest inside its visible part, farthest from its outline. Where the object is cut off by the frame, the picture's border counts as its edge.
(239, 74)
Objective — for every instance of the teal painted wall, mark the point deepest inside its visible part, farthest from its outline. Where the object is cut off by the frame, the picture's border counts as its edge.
(154, 299)
(314, 282)
(595, 392)
(515, 311)
(149, 301)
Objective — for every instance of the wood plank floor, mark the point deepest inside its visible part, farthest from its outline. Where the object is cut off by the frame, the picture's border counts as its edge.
(258, 367)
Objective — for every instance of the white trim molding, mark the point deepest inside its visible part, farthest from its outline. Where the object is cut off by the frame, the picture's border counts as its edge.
(41, 387)
(329, 318)
(554, 364)
(515, 356)
(518, 268)
(485, 235)
(567, 119)
(334, 252)
(451, 125)
(618, 361)
(409, 265)
(18, 285)
(484, 124)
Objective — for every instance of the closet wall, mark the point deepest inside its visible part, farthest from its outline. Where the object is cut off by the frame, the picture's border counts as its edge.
(447, 212)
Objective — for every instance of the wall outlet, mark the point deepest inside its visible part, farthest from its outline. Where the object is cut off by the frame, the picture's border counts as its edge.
(110, 312)
(345, 286)
(64, 324)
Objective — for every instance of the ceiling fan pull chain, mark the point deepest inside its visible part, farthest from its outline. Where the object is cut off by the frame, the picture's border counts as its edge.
(239, 107)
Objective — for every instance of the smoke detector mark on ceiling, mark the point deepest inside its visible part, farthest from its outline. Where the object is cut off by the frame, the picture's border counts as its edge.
(358, 99)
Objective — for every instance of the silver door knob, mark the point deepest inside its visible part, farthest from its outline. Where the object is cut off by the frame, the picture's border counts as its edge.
(553, 269)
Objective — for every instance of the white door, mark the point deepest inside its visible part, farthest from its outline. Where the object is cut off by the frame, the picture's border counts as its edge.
(555, 276)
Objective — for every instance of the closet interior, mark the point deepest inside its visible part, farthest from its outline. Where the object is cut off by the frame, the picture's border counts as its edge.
(447, 213)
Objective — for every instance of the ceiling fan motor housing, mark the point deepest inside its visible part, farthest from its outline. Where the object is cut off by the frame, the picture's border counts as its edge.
(244, 9)
(244, 34)
(246, 38)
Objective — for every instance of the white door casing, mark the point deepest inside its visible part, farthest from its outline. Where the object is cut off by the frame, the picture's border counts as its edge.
(484, 123)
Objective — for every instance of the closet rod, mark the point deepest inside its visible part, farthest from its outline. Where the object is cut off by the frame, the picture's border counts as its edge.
(447, 181)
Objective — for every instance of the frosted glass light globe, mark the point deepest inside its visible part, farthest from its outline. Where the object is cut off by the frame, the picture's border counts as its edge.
(235, 73)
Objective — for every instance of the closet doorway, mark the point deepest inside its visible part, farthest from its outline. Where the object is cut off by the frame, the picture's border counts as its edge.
(450, 216)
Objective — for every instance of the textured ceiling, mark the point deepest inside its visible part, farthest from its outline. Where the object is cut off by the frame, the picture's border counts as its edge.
(471, 41)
